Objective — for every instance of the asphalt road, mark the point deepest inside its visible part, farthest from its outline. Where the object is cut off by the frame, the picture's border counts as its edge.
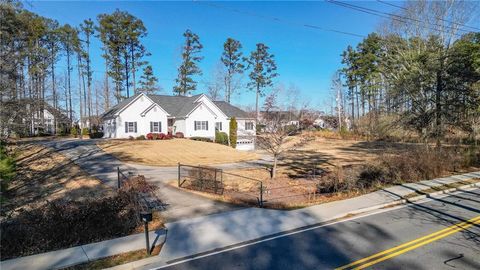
(340, 244)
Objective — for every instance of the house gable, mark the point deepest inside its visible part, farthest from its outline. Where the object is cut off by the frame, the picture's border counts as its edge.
(204, 99)
(153, 108)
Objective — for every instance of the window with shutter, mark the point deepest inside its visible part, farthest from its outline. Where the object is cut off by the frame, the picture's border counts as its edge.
(126, 127)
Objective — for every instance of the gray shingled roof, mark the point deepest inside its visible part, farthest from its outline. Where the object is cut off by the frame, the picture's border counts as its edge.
(118, 107)
(230, 110)
(178, 106)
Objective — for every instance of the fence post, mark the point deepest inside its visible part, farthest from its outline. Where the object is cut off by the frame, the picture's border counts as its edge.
(178, 174)
(261, 194)
(118, 177)
(215, 181)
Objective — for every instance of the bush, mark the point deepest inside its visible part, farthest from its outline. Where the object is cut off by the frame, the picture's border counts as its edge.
(221, 138)
(84, 131)
(96, 135)
(131, 138)
(161, 136)
(141, 137)
(74, 131)
(61, 132)
(7, 167)
(389, 169)
(63, 224)
(179, 135)
(150, 136)
(202, 139)
(168, 137)
(233, 132)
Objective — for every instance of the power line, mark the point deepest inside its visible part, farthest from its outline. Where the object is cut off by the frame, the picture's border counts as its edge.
(389, 15)
(278, 19)
(448, 21)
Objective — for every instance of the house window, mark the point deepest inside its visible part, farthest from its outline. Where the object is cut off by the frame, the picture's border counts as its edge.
(248, 125)
(155, 126)
(201, 125)
(218, 126)
(130, 127)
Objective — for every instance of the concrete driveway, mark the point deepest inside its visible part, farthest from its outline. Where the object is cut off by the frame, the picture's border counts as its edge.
(179, 204)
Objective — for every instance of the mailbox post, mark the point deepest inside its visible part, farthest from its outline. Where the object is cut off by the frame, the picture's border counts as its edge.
(146, 217)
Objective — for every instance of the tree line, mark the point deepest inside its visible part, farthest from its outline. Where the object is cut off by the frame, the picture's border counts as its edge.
(41, 60)
(423, 74)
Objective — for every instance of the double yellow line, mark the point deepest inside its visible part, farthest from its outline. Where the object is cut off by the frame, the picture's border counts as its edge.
(393, 252)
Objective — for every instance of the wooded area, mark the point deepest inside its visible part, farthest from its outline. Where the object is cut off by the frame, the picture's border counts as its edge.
(421, 72)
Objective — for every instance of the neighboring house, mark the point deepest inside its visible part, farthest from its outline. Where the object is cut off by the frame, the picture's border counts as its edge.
(52, 120)
(286, 118)
(194, 116)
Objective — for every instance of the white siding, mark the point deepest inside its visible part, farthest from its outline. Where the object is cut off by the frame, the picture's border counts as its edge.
(156, 114)
(179, 126)
(132, 113)
(241, 127)
(201, 113)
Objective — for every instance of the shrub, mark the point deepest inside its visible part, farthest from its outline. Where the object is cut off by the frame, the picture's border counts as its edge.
(141, 137)
(202, 139)
(168, 137)
(96, 135)
(84, 131)
(63, 224)
(7, 167)
(179, 135)
(388, 169)
(233, 132)
(74, 131)
(150, 136)
(131, 138)
(221, 138)
(161, 136)
(61, 132)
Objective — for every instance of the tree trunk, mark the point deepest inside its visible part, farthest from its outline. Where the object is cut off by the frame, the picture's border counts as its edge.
(274, 167)
(256, 104)
(69, 86)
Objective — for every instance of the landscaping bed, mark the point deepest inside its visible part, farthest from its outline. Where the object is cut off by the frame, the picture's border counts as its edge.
(171, 152)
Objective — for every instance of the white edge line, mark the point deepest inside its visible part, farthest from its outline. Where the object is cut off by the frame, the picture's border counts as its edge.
(307, 229)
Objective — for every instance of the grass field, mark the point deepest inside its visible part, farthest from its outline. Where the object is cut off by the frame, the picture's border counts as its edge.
(44, 175)
(170, 152)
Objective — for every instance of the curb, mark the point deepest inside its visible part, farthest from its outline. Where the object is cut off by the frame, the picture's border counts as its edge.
(408, 200)
(152, 263)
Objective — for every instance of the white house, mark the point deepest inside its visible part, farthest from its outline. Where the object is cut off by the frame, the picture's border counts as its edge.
(192, 115)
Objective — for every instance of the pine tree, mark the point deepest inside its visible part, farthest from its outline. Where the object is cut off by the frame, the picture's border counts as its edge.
(189, 66)
(88, 30)
(120, 33)
(148, 81)
(263, 70)
(232, 59)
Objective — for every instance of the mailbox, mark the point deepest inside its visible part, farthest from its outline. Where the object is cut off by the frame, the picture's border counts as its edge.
(146, 216)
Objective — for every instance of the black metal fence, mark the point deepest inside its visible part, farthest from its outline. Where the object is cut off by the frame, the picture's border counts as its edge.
(213, 180)
(206, 179)
(122, 177)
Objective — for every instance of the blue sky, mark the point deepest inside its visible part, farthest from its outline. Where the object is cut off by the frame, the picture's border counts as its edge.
(305, 57)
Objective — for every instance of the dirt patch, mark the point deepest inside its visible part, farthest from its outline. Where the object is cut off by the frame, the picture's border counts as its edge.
(171, 152)
(44, 175)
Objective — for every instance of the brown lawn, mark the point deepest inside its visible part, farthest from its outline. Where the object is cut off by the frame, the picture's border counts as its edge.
(171, 152)
(325, 154)
(44, 175)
